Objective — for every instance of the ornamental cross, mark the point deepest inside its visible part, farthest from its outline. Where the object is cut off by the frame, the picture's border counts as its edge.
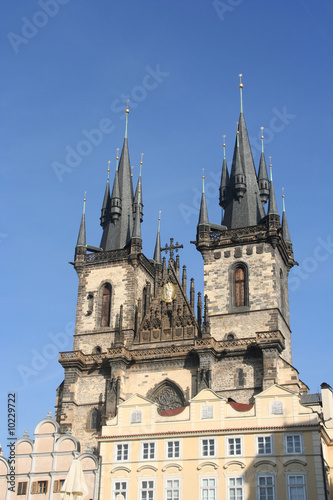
(171, 248)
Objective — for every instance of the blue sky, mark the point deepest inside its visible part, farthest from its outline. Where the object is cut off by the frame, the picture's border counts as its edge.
(67, 69)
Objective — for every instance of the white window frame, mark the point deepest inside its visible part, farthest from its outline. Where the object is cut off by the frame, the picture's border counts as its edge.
(115, 452)
(207, 412)
(136, 417)
(148, 442)
(228, 454)
(166, 449)
(303, 485)
(202, 487)
(147, 479)
(264, 436)
(209, 438)
(114, 492)
(235, 486)
(172, 478)
(293, 434)
(272, 485)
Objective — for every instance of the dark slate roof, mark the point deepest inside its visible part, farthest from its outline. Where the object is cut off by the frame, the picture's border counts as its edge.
(81, 240)
(272, 206)
(106, 204)
(157, 253)
(203, 215)
(262, 172)
(117, 235)
(308, 399)
(248, 211)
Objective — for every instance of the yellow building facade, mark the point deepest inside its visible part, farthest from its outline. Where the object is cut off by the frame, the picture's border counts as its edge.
(215, 448)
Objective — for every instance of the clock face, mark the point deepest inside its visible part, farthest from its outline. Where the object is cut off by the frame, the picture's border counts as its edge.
(168, 292)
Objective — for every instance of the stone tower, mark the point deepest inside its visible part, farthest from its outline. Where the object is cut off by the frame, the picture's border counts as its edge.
(247, 260)
(137, 331)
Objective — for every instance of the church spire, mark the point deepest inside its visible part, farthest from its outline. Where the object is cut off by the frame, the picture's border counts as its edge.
(115, 197)
(262, 173)
(203, 215)
(137, 225)
(157, 252)
(118, 235)
(242, 204)
(81, 240)
(105, 212)
(224, 178)
(136, 197)
(272, 207)
(285, 228)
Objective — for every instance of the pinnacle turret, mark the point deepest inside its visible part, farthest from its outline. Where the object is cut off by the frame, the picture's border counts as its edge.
(105, 212)
(203, 215)
(240, 179)
(263, 182)
(224, 178)
(157, 252)
(272, 206)
(81, 240)
(136, 196)
(285, 228)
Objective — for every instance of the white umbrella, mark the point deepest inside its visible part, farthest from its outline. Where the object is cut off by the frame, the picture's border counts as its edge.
(75, 486)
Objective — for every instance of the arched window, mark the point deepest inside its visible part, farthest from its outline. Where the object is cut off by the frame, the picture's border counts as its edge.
(94, 420)
(240, 378)
(239, 287)
(106, 305)
(230, 336)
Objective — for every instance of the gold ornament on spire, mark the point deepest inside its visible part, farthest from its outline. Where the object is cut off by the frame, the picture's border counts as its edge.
(141, 158)
(127, 108)
(270, 162)
(84, 199)
(117, 157)
(132, 171)
(109, 166)
(282, 192)
(224, 136)
(240, 81)
(203, 173)
(159, 215)
(262, 132)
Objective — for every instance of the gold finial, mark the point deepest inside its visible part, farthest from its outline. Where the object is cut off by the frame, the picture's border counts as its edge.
(109, 166)
(159, 215)
(84, 199)
(132, 171)
(117, 157)
(203, 173)
(240, 81)
(127, 108)
(270, 161)
(282, 192)
(237, 132)
(141, 158)
(224, 136)
(262, 132)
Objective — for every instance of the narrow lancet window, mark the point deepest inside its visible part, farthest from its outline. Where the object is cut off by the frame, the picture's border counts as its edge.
(94, 420)
(239, 287)
(106, 305)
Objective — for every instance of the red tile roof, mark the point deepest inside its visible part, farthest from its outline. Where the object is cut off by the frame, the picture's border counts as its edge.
(171, 413)
(240, 406)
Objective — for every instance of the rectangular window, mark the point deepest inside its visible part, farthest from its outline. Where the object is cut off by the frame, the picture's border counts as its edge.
(172, 449)
(172, 489)
(296, 487)
(264, 445)
(208, 488)
(136, 417)
(147, 490)
(22, 488)
(208, 447)
(148, 450)
(119, 488)
(293, 443)
(121, 452)
(207, 411)
(234, 446)
(235, 488)
(57, 485)
(266, 488)
(42, 487)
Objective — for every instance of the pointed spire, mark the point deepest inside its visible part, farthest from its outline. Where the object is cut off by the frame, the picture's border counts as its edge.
(157, 253)
(285, 228)
(137, 225)
(224, 178)
(262, 173)
(127, 113)
(272, 207)
(199, 309)
(184, 279)
(240, 180)
(115, 200)
(203, 215)
(241, 92)
(192, 294)
(106, 201)
(138, 188)
(81, 240)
